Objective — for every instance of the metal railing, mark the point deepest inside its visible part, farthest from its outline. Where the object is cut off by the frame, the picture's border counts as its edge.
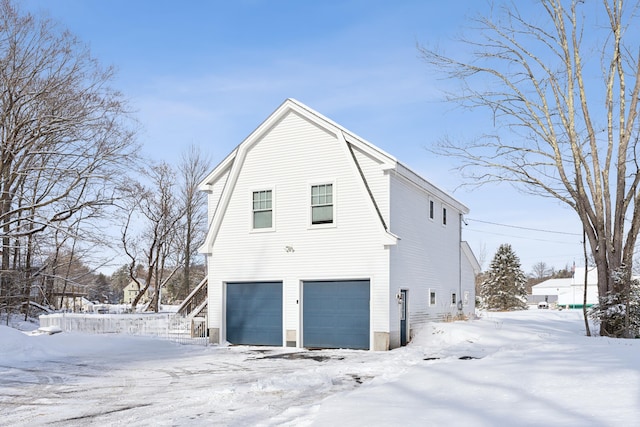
(188, 330)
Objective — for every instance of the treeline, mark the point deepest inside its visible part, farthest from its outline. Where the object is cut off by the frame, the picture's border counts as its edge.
(73, 184)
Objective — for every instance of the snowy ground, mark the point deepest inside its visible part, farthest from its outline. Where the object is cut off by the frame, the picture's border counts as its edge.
(519, 369)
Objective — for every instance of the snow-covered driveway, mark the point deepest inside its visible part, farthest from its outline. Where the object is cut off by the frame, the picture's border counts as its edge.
(137, 381)
(533, 368)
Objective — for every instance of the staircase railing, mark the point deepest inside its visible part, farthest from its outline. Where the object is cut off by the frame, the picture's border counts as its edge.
(194, 303)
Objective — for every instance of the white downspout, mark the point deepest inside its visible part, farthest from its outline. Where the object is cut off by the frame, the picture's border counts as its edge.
(460, 264)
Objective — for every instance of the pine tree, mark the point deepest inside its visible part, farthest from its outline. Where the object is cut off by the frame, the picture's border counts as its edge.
(620, 310)
(504, 289)
(100, 291)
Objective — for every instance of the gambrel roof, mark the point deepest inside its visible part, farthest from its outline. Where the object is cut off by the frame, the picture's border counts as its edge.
(232, 165)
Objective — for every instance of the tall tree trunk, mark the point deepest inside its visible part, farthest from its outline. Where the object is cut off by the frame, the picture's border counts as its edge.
(584, 299)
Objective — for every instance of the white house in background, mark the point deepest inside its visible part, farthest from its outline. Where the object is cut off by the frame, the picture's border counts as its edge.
(319, 239)
(570, 291)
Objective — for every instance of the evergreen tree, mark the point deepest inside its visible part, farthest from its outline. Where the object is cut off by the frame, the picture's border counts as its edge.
(620, 310)
(504, 288)
(101, 291)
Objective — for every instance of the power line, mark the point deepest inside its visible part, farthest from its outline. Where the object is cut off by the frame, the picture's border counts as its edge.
(522, 237)
(524, 228)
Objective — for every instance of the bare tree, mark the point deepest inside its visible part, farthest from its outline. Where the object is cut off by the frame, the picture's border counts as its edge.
(540, 270)
(65, 134)
(559, 131)
(151, 232)
(193, 166)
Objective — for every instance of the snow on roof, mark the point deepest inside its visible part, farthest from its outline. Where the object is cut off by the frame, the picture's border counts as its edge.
(554, 283)
(576, 280)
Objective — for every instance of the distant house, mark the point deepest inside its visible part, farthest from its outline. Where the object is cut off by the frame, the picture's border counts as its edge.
(319, 239)
(569, 292)
(131, 291)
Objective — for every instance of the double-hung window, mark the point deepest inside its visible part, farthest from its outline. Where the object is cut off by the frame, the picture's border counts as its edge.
(322, 204)
(262, 209)
(432, 297)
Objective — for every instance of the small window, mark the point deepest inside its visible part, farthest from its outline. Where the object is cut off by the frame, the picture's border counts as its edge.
(431, 209)
(322, 204)
(444, 216)
(454, 298)
(465, 298)
(432, 297)
(262, 209)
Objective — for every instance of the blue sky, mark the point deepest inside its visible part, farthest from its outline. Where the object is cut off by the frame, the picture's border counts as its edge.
(208, 73)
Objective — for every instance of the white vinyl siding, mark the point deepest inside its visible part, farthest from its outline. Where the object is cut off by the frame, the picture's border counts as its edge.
(287, 158)
(469, 272)
(426, 256)
(377, 181)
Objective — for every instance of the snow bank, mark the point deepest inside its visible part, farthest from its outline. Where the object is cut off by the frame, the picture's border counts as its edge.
(16, 345)
(526, 368)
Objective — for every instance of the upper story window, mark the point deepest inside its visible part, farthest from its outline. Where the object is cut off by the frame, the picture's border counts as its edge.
(444, 216)
(262, 209)
(431, 209)
(322, 204)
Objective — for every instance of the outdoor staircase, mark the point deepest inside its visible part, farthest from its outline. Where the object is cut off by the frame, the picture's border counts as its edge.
(194, 309)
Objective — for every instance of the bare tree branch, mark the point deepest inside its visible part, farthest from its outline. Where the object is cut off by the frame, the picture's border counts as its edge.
(558, 132)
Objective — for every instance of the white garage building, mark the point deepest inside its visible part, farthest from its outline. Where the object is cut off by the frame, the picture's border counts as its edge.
(570, 291)
(319, 239)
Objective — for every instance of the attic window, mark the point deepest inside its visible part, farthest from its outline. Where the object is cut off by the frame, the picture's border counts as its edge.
(444, 216)
(322, 204)
(262, 209)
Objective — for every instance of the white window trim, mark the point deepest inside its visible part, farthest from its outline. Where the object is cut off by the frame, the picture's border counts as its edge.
(334, 203)
(273, 210)
(435, 302)
(445, 216)
(430, 204)
(453, 303)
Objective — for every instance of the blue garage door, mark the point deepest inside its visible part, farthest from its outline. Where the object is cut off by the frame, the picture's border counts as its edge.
(254, 313)
(336, 314)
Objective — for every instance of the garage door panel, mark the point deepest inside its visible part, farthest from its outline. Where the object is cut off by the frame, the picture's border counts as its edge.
(254, 313)
(336, 314)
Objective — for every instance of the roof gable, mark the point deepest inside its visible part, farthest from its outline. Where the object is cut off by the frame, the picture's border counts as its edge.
(236, 159)
(285, 108)
(233, 163)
